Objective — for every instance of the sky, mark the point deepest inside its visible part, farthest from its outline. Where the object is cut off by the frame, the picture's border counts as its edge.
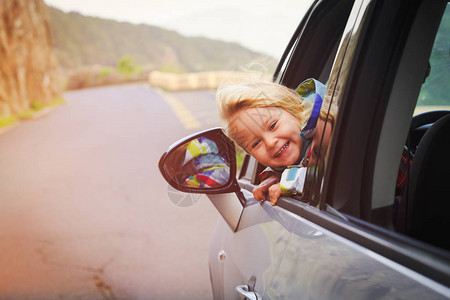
(261, 25)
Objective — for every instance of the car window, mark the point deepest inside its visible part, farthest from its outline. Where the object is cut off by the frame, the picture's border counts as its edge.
(375, 149)
(314, 47)
(422, 191)
(435, 90)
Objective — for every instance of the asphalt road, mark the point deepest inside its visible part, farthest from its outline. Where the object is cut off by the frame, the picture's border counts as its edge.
(84, 211)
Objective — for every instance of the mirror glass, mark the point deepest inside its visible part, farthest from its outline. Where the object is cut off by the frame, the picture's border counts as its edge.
(198, 163)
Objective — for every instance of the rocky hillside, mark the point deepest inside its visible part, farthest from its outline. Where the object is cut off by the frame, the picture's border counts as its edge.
(28, 69)
(80, 41)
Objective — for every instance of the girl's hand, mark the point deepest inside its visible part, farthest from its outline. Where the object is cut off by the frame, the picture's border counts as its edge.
(260, 191)
(274, 193)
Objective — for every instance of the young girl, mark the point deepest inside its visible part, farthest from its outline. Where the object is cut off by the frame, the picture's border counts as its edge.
(276, 125)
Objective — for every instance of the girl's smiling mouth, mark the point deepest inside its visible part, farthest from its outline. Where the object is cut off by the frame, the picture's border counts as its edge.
(282, 150)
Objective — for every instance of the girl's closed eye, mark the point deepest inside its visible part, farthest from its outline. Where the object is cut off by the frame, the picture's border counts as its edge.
(272, 125)
(255, 143)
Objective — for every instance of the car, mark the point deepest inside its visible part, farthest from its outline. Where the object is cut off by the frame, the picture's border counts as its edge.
(373, 220)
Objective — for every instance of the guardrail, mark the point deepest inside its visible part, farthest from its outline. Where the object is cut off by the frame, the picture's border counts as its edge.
(198, 81)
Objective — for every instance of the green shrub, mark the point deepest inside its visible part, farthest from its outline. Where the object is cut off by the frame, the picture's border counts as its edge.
(105, 72)
(126, 67)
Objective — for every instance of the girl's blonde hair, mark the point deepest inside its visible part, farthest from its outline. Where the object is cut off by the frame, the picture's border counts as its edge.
(232, 98)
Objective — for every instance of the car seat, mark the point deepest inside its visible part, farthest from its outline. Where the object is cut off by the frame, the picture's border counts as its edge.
(428, 204)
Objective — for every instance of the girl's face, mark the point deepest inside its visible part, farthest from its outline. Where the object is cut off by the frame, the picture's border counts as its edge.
(270, 134)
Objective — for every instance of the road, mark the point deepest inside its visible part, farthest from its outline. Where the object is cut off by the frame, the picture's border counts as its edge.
(85, 213)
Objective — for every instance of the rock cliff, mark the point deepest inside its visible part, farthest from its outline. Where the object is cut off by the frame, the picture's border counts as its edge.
(28, 68)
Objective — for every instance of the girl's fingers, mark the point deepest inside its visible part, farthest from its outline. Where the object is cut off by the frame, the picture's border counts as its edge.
(274, 199)
(274, 193)
(259, 194)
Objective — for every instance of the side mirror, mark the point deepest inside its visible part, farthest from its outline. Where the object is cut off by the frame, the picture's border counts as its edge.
(204, 162)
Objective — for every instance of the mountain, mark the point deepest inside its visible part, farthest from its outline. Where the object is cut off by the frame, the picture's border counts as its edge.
(81, 41)
(29, 73)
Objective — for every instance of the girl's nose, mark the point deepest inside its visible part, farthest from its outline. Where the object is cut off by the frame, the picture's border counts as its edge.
(271, 141)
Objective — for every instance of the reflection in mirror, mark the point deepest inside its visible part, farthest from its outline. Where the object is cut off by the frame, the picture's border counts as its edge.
(198, 163)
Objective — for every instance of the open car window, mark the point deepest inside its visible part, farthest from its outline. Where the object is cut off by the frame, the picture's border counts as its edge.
(325, 19)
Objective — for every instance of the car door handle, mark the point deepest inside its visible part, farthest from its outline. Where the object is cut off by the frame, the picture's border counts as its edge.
(245, 293)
